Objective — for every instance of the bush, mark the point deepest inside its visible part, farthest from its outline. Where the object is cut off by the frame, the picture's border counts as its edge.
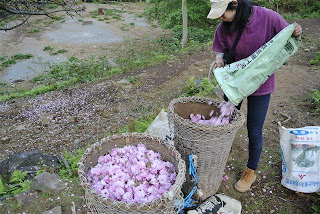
(194, 33)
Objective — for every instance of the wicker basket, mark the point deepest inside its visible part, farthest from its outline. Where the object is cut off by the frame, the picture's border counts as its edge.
(211, 144)
(98, 204)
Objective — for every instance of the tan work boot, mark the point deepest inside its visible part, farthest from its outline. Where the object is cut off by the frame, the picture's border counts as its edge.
(246, 180)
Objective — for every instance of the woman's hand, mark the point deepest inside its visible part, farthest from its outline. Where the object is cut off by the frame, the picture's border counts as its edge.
(297, 30)
(219, 62)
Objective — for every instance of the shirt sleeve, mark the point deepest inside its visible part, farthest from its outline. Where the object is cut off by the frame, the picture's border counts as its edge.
(219, 44)
(279, 22)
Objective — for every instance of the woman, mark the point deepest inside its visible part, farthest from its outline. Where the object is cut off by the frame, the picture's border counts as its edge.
(258, 26)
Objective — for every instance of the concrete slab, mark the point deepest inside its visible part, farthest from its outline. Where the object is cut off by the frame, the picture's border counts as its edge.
(72, 32)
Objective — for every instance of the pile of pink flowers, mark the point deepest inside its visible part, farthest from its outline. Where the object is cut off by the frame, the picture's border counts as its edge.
(132, 174)
(226, 110)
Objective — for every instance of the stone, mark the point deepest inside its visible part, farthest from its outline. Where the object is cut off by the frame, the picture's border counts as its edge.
(24, 197)
(26, 161)
(4, 140)
(48, 183)
(20, 128)
(55, 210)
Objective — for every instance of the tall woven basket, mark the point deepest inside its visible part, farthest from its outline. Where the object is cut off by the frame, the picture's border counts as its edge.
(98, 204)
(211, 144)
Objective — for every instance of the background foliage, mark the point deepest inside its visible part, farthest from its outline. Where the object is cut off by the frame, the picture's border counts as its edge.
(169, 15)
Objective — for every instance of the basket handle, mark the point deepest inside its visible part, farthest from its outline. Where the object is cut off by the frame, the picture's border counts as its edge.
(212, 68)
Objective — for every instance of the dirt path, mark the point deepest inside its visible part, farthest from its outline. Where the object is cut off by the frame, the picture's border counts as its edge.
(79, 116)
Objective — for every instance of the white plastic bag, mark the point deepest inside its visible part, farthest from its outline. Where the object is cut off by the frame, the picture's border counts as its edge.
(160, 127)
(300, 150)
(218, 204)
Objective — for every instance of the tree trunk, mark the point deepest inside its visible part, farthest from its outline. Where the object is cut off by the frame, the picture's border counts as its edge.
(184, 24)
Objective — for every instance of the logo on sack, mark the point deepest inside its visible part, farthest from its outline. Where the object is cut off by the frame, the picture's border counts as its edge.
(301, 176)
(299, 132)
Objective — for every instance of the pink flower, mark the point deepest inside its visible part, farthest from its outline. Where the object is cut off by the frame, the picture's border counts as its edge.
(225, 178)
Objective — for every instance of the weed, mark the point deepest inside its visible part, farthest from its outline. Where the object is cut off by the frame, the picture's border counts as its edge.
(138, 125)
(21, 56)
(8, 63)
(58, 52)
(315, 207)
(52, 52)
(33, 30)
(2, 58)
(48, 48)
(124, 28)
(18, 183)
(72, 160)
(132, 80)
(312, 100)
(316, 60)
(49, 22)
(201, 88)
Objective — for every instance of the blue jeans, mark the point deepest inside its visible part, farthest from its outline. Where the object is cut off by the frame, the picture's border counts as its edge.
(257, 110)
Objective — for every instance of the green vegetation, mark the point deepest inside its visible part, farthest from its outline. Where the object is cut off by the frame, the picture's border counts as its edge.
(314, 100)
(13, 59)
(33, 30)
(316, 208)
(51, 51)
(132, 80)
(201, 29)
(18, 183)
(21, 56)
(138, 125)
(72, 160)
(2, 58)
(169, 15)
(6, 21)
(108, 14)
(134, 56)
(200, 88)
(316, 60)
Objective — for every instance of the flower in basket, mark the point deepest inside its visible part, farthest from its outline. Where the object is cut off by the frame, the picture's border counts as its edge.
(226, 110)
(132, 174)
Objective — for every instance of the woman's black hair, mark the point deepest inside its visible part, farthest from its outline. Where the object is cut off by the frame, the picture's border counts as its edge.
(243, 11)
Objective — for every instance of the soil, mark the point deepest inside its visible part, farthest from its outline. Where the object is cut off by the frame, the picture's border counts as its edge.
(79, 116)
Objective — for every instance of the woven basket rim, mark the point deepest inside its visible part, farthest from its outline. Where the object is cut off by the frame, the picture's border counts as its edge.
(175, 187)
(233, 123)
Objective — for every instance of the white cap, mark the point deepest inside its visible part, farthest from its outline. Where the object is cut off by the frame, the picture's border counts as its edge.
(218, 7)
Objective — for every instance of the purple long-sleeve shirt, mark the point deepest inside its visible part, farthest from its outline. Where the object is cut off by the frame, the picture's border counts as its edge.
(262, 26)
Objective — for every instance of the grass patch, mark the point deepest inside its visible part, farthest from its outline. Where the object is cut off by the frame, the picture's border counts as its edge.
(138, 125)
(52, 52)
(33, 30)
(133, 55)
(21, 56)
(13, 59)
(316, 60)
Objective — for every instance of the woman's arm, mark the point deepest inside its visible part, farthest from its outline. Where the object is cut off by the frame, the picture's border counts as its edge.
(219, 59)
